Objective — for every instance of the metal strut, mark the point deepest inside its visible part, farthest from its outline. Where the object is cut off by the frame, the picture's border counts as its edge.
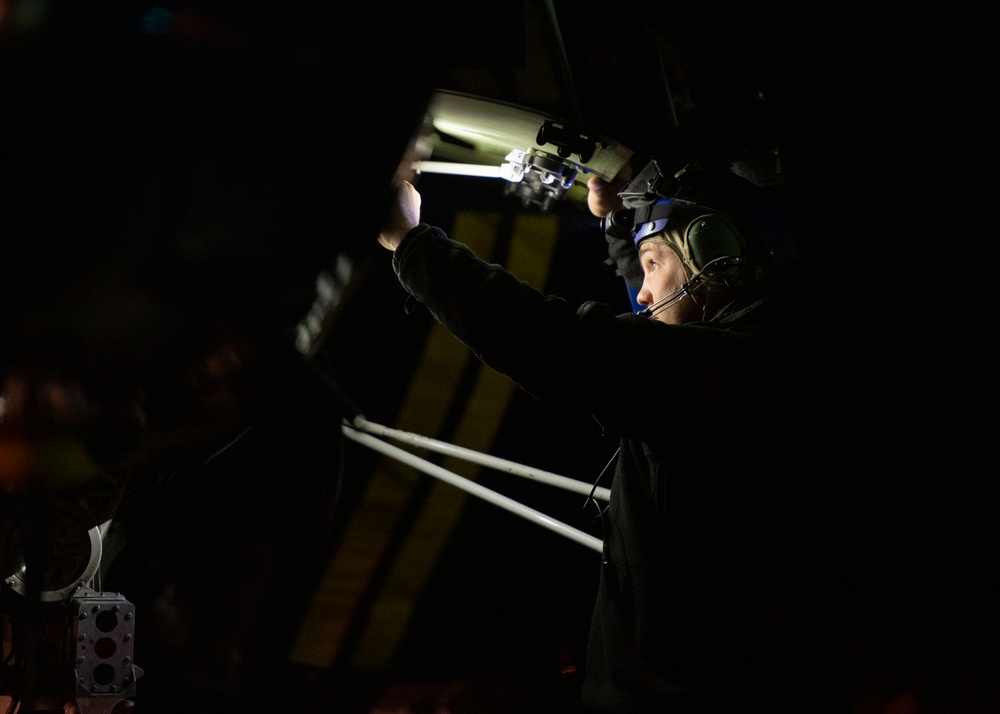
(354, 431)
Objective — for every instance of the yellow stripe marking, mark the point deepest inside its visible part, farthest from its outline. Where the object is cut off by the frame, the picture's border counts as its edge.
(529, 258)
(390, 488)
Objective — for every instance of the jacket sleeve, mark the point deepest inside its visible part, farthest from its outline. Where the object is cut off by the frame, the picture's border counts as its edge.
(622, 251)
(629, 372)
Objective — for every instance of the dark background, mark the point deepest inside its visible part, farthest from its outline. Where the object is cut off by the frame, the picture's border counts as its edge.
(174, 177)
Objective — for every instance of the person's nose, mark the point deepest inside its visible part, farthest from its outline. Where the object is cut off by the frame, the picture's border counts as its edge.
(644, 297)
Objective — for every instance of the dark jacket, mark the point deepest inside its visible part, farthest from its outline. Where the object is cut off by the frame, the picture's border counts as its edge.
(700, 600)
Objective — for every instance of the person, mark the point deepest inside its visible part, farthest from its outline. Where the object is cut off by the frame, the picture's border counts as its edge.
(715, 545)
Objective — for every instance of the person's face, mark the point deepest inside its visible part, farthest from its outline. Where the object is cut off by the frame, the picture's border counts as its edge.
(664, 273)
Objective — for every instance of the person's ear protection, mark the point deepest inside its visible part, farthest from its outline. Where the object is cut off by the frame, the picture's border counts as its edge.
(707, 242)
(714, 246)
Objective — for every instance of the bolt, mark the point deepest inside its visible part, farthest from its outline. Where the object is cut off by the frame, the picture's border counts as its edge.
(116, 608)
(83, 616)
(80, 660)
(112, 688)
(96, 608)
(81, 638)
(128, 615)
(127, 637)
(127, 660)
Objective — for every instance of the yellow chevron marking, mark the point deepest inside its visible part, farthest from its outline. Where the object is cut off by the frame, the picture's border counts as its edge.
(529, 258)
(390, 488)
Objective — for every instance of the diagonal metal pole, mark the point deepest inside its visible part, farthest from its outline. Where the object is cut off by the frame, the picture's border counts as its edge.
(472, 487)
(477, 457)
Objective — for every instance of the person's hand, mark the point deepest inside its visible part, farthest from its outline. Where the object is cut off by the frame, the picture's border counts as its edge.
(603, 197)
(404, 215)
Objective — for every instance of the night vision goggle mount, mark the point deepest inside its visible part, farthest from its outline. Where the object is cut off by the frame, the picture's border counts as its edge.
(642, 194)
